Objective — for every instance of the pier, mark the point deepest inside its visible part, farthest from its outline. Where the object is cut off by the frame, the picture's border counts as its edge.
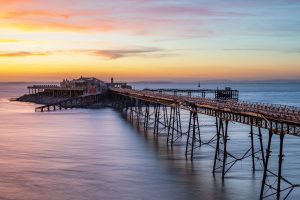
(162, 114)
(160, 111)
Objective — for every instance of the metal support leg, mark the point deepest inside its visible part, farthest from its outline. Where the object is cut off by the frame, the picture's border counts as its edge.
(165, 116)
(217, 145)
(193, 133)
(156, 118)
(261, 147)
(171, 123)
(178, 118)
(146, 118)
(198, 130)
(280, 158)
(188, 136)
(268, 152)
(252, 149)
(225, 147)
(174, 125)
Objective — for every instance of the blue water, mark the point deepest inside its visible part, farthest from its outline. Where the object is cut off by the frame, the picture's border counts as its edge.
(97, 154)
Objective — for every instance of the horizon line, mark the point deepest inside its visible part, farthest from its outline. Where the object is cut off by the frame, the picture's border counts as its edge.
(176, 81)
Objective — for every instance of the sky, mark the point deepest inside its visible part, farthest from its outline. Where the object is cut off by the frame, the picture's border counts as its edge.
(136, 40)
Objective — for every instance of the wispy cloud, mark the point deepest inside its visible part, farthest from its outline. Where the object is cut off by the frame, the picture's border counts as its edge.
(192, 10)
(120, 53)
(110, 54)
(5, 40)
(280, 50)
(247, 49)
(34, 13)
(22, 54)
(45, 26)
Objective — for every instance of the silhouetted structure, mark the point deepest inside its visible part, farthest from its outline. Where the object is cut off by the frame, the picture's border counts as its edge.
(73, 88)
(225, 94)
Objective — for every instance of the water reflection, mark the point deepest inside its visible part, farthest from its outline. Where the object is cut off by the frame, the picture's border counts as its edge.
(202, 183)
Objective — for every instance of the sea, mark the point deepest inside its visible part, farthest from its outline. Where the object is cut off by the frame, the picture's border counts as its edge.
(97, 154)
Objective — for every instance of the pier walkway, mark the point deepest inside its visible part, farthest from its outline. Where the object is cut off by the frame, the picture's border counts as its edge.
(160, 111)
(278, 118)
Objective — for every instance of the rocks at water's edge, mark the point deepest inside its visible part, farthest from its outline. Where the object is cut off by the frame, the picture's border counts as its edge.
(39, 99)
(44, 100)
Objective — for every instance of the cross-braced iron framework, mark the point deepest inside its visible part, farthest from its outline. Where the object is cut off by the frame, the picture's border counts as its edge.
(162, 113)
(174, 125)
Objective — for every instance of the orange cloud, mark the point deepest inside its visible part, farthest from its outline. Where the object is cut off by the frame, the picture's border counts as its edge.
(22, 54)
(10, 2)
(35, 13)
(4, 40)
(44, 26)
(104, 53)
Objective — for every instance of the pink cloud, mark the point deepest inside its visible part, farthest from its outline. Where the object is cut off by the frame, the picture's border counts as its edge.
(34, 13)
(192, 10)
(12, 2)
(142, 18)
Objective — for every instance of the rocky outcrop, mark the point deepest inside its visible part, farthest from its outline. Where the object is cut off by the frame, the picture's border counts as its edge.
(46, 100)
(39, 99)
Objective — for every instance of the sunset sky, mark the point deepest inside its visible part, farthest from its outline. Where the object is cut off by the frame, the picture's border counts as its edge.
(149, 39)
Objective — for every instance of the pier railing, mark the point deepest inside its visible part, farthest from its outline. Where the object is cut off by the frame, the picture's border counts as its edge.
(279, 118)
(225, 94)
(161, 112)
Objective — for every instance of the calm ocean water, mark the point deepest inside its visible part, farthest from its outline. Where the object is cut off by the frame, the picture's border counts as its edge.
(97, 154)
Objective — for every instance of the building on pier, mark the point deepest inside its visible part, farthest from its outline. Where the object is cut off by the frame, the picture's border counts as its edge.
(226, 94)
(122, 85)
(71, 88)
(89, 84)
